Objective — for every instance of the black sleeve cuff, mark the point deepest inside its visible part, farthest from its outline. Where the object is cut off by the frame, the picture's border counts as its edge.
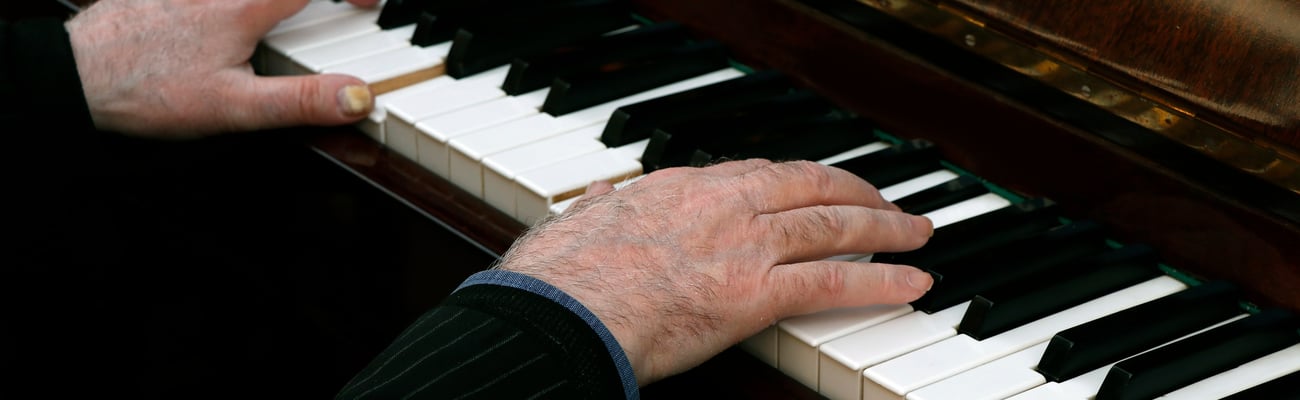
(489, 341)
(566, 335)
(39, 82)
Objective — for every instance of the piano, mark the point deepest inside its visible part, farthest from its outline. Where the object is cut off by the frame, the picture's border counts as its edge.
(1153, 141)
(1092, 165)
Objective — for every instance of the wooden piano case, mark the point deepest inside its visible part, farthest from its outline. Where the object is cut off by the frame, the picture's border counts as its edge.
(1173, 122)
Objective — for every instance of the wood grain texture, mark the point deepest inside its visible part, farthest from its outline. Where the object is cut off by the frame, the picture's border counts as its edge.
(1233, 62)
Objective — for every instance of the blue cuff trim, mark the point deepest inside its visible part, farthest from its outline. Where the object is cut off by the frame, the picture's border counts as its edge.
(537, 286)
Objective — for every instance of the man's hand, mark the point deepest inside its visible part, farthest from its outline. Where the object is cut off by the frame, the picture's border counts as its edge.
(687, 261)
(179, 68)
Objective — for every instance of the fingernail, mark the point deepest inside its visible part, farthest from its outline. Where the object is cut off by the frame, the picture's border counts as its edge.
(920, 279)
(355, 100)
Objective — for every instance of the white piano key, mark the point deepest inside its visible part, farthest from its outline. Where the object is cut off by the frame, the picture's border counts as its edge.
(1085, 386)
(500, 169)
(540, 188)
(374, 125)
(433, 133)
(1082, 387)
(380, 69)
(843, 359)
(800, 337)
(317, 59)
(855, 153)
(468, 151)
(335, 29)
(462, 93)
(900, 376)
(846, 373)
(603, 111)
(917, 184)
(762, 345)
(1246, 376)
(985, 203)
(999, 379)
(316, 12)
(447, 95)
(560, 207)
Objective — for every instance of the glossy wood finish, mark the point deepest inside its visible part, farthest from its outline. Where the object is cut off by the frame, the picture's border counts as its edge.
(1016, 144)
(430, 194)
(1235, 62)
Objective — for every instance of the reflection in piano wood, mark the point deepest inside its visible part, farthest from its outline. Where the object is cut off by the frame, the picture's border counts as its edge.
(1041, 121)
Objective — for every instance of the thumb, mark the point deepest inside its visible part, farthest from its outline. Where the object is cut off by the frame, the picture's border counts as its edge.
(598, 188)
(594, 190)
(327, 100)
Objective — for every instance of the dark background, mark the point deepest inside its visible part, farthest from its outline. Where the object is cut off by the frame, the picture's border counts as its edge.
(240, 266)
(243, 266)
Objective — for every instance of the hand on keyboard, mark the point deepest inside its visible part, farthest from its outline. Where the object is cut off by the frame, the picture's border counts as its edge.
(172, 68)
(686, 262)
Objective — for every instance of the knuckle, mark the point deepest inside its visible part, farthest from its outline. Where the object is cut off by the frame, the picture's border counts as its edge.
(818, 175)
(819, 284)
(832, 282)
(825, 222)
(308, 94)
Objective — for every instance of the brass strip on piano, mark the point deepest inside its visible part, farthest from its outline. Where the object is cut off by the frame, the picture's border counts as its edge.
(1164, 115)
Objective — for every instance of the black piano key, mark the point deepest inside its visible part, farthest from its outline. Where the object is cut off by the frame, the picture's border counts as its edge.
(675, 145)
(943, 195)
(1109, 339)
(439, 20)
(638, 121)
(1030, 299)
(539, 71)
(896, 164)
(425, 34)
(398, 13)
(1286, 387)
(1189, 360)
(621, 79)
(988, 230)
(483, 44)
(813, 139)
(960, 280)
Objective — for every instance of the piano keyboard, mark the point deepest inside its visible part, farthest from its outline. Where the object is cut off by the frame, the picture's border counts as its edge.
(1026, 304)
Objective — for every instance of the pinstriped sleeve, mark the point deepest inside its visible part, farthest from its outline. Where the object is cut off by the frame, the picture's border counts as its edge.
(500, 335)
